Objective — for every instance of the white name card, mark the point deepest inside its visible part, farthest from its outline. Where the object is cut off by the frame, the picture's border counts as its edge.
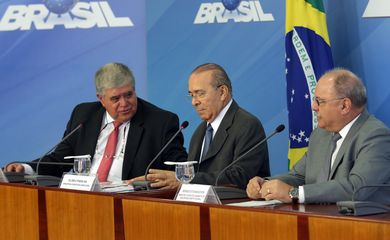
(80, 182)
(197, 193)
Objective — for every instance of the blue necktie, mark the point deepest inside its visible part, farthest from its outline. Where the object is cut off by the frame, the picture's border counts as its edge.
(324, 174)
(208, 137)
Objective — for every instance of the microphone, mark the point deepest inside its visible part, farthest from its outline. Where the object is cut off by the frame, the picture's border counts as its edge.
(146, 184)
(360, 208)
(277, 130)
(34, 178)
(231, 193)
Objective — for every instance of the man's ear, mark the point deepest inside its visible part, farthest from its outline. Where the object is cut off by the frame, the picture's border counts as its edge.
(100, 97)
(224, 91)
(346, 105)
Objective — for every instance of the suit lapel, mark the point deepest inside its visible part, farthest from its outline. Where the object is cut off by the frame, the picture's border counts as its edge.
(92, 131)
(222, 132)
(347, 141)
(196, 148)
(133, 139)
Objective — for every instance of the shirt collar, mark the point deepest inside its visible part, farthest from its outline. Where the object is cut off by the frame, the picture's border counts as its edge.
(344, 131)
(107, 119)
(217, 121)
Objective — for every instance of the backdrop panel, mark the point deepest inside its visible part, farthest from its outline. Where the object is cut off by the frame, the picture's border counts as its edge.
(48, 62)
(45, 71)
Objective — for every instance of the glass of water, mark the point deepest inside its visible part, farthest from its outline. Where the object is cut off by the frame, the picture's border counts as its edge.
(185, 172)
(82, 165)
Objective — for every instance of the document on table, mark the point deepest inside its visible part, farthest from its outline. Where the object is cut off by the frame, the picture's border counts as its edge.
(255, 203)
(116, 187)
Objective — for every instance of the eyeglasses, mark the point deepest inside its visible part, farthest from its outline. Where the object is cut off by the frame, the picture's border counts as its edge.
(200, 94)
(320, 101)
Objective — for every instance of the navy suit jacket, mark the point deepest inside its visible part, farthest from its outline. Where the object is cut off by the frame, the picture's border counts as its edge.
(150, 128)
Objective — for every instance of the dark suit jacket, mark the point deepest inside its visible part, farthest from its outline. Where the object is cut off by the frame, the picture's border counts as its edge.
(363, 159)
(238, 132)
(150, 128)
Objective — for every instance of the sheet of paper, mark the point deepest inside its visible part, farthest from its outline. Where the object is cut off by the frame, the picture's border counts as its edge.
(116, 187)
(255, 203)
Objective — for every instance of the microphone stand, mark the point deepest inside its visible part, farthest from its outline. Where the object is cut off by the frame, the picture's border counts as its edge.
(360, 208)
(35, 179)
(140, 185)
(224, 192)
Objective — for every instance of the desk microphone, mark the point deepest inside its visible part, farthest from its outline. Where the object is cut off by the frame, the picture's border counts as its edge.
(229, 192)
(278, 129)
(146, 183)
(62, 140)
(34, 177)
(360, 208)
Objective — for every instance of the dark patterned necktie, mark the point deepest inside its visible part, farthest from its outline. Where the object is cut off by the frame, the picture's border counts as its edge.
(208, 137)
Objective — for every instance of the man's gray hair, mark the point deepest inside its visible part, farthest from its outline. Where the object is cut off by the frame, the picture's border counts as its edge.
(347, 84)
(113, 75)
(220, 76)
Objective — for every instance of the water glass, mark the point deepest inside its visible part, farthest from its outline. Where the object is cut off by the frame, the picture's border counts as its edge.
(185, 172)
(82, 166)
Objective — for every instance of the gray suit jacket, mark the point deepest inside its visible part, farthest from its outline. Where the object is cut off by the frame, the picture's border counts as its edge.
(363, 159)
(238, 132)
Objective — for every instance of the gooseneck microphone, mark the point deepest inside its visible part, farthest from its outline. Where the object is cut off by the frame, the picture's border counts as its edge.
(146, 183)
(278, 129)
(48, 180)
(51, 149)
(360, 208)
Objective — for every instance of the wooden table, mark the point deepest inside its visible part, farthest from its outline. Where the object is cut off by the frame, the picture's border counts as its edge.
(30, 212)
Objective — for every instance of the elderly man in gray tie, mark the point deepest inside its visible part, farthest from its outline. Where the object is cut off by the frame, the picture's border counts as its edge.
(350, 149)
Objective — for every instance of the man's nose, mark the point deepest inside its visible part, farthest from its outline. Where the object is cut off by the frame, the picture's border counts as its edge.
(195, 101)
(123, 101)
(314, 106)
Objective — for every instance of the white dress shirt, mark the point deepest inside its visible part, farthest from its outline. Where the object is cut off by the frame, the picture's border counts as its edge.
(215, 124)
(115, 173)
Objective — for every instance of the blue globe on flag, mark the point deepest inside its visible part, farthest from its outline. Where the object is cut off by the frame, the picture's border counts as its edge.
(60, 6)
(231, 4)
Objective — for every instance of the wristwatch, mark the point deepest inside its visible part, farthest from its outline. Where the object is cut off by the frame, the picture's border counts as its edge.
(294, 194)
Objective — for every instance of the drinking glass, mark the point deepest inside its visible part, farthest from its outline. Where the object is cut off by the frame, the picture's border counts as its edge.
(82, 165)
(185, 172)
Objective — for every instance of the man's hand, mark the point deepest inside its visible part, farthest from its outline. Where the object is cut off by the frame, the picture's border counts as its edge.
(14, 167)
(253, 188)
(276, 189)
(162, 179)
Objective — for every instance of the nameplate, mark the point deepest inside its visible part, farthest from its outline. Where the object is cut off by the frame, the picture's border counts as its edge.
(197, 193)
(80, 182)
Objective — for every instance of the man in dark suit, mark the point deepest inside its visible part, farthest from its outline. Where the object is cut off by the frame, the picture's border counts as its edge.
(359, 157)
(234, 131)
(143, 130)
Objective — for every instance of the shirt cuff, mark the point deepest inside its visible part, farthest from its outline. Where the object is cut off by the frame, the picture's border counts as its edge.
(301, 195)
(28, 169)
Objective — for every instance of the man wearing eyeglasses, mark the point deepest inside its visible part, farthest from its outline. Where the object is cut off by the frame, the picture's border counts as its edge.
(349, 150)
(227, 131)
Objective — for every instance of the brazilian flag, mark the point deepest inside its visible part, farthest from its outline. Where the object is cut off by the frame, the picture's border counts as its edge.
(308, 56)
